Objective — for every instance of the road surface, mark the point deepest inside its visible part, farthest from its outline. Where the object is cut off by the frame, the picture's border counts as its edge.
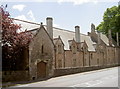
(99, 78)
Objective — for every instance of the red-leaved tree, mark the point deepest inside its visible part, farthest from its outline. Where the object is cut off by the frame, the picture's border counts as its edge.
(13, 43)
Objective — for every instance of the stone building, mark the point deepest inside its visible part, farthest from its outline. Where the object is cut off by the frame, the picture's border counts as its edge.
(59, 49)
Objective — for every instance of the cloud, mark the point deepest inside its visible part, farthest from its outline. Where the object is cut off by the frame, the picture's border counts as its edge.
(19, 7)
(21, 17)
(59, 1)
(31, 15)
(28, 17)
(79, 2)
(23, 0)
(25, 25)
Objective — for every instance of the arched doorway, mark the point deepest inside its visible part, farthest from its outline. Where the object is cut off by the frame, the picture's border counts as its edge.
(41, 69)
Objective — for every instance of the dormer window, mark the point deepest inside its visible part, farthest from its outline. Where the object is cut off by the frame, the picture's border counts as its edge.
(85, 50)
(59, 49)
(74, 49)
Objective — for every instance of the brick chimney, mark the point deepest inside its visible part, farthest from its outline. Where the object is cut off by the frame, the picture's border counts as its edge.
(49, 22)
(110, 37)
(92, 27)
(77, 33)
(117, 37)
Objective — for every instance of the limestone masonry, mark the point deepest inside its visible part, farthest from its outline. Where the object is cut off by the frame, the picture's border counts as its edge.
(54, 49)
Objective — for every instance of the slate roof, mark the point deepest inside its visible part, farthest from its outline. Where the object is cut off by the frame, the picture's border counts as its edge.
(69, 35)
(26, 25)
(105, 39)
(64, 34)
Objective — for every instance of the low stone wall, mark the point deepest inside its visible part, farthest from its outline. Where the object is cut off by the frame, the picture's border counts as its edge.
(10, 76)
(66, 71)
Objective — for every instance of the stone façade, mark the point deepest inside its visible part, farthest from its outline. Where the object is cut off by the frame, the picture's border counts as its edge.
(54, 52)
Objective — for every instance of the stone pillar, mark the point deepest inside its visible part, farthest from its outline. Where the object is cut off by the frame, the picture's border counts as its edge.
(110, 37)
(92, 27)
(117, 37)
(49, 22)
(77, 33)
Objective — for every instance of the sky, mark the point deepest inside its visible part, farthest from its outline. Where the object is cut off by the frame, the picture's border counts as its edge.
(66, 14)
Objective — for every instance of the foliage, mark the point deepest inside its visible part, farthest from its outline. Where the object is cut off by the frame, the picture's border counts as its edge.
(13, 43)
(111, 20)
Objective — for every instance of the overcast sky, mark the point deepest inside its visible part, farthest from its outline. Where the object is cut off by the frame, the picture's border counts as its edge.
(66, 14)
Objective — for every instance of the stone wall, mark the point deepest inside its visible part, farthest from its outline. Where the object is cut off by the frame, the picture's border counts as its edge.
(117, 55)
(86, 59)
(67, 71)
(10, 76)
(59, 60)
(93, 59)
(41, 49)
(68, 58)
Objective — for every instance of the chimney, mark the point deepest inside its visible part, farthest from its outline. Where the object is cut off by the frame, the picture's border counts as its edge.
(117, 36)
(110, 37)
(99, 38)
(77, 33)
(49, 22)
(92, 27)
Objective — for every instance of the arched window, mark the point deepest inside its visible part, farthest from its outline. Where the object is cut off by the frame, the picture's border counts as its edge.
(91, 55)
(98, 61)
(42, 49)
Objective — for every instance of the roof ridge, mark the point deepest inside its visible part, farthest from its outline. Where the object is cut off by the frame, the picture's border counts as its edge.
(63, 29)
(68, 30)
(45, 25)
(26, 21)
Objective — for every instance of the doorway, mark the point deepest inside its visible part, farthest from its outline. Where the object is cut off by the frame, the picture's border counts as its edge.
(41, 69)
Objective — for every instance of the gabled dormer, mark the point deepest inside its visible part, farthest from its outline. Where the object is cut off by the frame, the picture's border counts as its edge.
(84, 47)
(59, 45)
(73, 46)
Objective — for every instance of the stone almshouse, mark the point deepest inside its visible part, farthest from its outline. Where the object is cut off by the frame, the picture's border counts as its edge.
(53, 50)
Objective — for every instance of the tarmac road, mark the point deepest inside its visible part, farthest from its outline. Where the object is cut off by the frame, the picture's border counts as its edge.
(99, 78)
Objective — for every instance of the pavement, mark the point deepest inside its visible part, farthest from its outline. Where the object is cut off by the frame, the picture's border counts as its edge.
(99, 78)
